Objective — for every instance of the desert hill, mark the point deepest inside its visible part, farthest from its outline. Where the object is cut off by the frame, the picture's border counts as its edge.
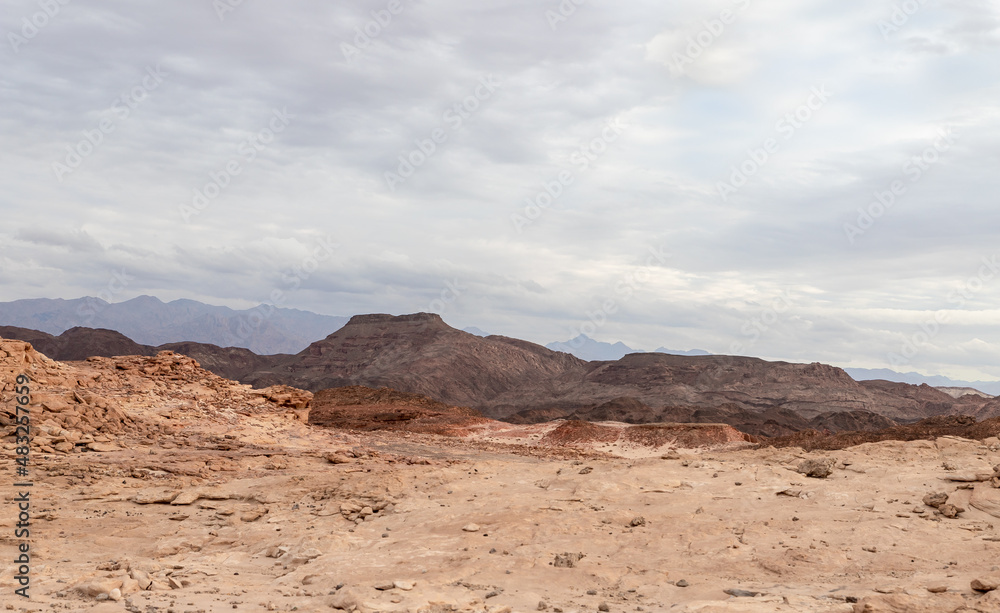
(504, 377)
(515, 380)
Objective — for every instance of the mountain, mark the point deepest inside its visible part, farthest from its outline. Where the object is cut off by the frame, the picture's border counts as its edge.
(588, 349)
(513, 379)
(78, 343)
(506, 378)
(862, 374)
(147, 320)
(680, 352)
(421, 354)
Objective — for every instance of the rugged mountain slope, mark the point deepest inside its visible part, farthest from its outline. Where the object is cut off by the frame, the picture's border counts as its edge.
(421, 354)
(78, 343)
(512, 379)
(504, 377)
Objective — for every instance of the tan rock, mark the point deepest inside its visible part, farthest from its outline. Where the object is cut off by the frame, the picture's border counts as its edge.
(186, 497)
(905, 603)
(154, 497)
(986, 498)
(95, 587)
(344, 599)
(141, 578)
(985, 584)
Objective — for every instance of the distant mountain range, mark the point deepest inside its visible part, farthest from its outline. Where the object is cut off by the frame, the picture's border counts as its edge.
(147, 320)
(512, 379)
(588, 349)
(866, 374)
(265, 330)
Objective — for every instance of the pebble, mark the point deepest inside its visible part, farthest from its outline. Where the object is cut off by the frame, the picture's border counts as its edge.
(682, 583)
(471, 527)
(603, 607)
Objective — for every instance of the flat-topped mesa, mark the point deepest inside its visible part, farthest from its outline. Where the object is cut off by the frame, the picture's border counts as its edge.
(382, 318)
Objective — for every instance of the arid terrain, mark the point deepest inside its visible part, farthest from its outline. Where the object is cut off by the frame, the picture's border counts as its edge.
(162, 487)
(521, 382)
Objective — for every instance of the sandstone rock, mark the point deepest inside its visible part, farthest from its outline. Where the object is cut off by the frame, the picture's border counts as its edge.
(384, 585)
(142, 578)
(103, 447)
(253, 515)
(740, 593)
(471, 528)
(154, 497)
(338, 458)
(186, 497)
(986, 498)
(637, 521)
(935, 499)
(986, 584)
(818, 469)
(905, 603)
(406, 586)
(96, 587)
(950, 511)
(567, 560)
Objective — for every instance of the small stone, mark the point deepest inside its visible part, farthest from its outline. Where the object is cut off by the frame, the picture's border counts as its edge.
(586, 470)
(115, 594)
(567, 560)
(935, 499)
(603, 607)
(738, 593)
(471, 528)
(406, 586)
(591, 592)
(950, 511)
(937, 589)
(682, 583)
(637, 521)
(817, 469)
(384, 585)
(985, 584)
(542, 605)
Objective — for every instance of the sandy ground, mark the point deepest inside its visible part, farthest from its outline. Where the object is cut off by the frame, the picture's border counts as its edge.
(481, 531)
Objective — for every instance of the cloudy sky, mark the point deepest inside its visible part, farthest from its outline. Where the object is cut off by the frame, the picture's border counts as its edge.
(808, 181)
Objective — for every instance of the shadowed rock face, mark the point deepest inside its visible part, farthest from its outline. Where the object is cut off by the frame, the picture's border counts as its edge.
(512, 379)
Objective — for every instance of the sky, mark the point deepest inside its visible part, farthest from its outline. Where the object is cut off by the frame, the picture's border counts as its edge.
(794, 180)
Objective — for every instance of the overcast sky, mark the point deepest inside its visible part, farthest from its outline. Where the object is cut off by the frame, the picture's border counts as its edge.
(684, 174)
